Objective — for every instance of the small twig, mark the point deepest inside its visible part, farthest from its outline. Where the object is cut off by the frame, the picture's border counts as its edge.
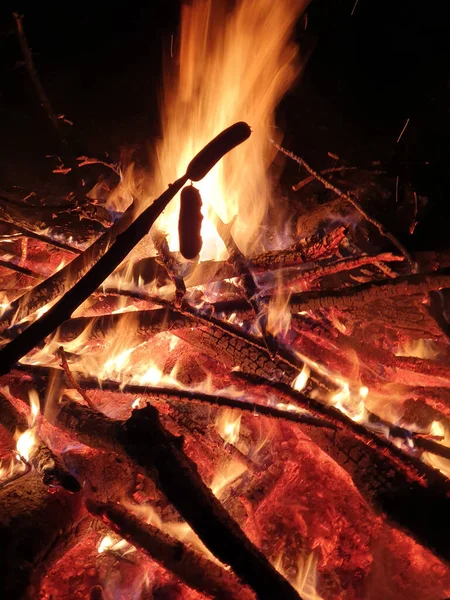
(71, 378)
(403, 130)
(45, 102)
(159, 394)
(22, 270)
(41, 238)
(353, 202)
(307, 180)
(86, 160)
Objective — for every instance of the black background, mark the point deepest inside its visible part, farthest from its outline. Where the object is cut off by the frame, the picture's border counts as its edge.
(367, 73)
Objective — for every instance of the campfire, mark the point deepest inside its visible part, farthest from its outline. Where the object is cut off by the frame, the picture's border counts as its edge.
(211, 386)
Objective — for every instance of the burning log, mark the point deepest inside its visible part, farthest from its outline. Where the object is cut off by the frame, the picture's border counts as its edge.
(33, 220)
(32, 521)
(409, 285)
(309, 249)
(46, 464)
(143, 439)
(193, 568)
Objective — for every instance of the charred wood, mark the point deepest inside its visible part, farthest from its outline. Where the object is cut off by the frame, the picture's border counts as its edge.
(193, 568)
(143, 439)
(32, 521)
(45, 462)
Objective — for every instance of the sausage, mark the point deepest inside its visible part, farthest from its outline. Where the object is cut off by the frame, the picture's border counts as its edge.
(218, 147)
(190, 222)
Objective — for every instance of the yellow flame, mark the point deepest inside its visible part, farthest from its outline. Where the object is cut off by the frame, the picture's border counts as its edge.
(419, 349)
(225, 476)
(233, 66)
(305, 582)
(301, 380)
(228, 424)
(351, 404)
(9, 468)
(25, 443)
(110, 543)
(437, 429)
(27, 440)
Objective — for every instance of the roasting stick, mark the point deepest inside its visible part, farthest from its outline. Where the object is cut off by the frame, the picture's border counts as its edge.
(353, 202)
(143, 439)
(118, 251)
(193, 568)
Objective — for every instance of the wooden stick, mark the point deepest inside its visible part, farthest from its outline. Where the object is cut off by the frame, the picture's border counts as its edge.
(156, 394)
(40, 237)
(71, 378)
(21, 270)
(143, 439)
(349, 198)
(45, 102)
(191, 567)
(362, 294)
(122, 246)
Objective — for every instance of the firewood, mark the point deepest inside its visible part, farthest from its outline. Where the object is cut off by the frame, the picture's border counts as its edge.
(354, 202)
(63, 279)
(408, 285)
(306, 250)
(143, 439)
(193, 568)
(27, 233)
(21, 270)
(36, 219)
(47, 465)
(111, 257)
(307, 276)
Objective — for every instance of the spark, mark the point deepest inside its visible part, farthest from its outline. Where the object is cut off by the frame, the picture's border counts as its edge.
(354, 7)
(403, 130)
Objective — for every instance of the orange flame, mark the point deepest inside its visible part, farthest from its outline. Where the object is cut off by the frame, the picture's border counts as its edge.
(233, 66)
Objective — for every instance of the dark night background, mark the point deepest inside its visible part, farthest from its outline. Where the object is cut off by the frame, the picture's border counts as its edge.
(367, 73)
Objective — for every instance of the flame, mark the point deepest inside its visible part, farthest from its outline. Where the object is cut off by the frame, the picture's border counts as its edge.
(224, 477)
(305, 582)
(25, 443)
(349, 403)
(301, 380)
(418, 349)
(27, 440)
(228, 424)
(11, 467)
(222, 79)
(113, 544)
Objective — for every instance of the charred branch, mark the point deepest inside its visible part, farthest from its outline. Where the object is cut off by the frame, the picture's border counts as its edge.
(193, 568)
(143, 439)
